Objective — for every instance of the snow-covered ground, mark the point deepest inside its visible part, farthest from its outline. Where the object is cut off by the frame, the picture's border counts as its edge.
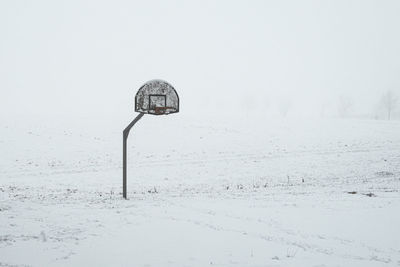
(204, 193)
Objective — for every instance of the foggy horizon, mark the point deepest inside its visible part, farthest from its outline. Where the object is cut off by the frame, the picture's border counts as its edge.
(88, 58)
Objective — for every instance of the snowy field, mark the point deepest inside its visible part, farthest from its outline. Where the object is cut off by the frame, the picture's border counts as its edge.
(205, 193)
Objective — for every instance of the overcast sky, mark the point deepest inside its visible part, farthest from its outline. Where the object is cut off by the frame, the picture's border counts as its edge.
(74, 58)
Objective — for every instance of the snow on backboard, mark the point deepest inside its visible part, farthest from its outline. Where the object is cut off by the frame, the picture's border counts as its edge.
(157, 97)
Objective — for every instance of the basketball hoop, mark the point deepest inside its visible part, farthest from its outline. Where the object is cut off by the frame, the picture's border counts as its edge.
(156, 97)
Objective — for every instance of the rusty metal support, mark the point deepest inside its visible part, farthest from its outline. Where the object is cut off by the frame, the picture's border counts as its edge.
(124, 153)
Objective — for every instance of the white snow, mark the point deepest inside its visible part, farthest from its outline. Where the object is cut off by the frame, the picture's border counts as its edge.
(205, 193)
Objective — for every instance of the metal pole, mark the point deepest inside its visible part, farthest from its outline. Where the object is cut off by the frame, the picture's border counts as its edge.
(125, 137)
(124, 152)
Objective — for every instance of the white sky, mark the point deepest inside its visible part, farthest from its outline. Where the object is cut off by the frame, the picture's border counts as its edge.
(75, 58)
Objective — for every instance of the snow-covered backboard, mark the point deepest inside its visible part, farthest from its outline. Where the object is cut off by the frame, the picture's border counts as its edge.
(157, 97)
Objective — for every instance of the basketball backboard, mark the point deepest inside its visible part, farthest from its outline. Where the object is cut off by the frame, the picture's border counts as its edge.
(157, 97)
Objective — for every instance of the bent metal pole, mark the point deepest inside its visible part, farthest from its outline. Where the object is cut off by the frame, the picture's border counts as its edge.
(124, 152)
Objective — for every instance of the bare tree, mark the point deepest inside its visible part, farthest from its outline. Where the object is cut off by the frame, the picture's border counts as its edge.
(284, 105)
(389, 102)
(249, 103)
(345, 104)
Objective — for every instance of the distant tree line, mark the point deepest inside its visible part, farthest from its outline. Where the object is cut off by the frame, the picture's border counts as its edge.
(388, 102)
